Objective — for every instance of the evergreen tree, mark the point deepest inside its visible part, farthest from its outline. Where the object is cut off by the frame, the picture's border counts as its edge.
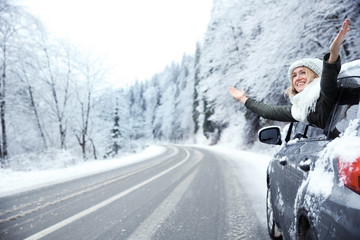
(196, 113)
(116, 134)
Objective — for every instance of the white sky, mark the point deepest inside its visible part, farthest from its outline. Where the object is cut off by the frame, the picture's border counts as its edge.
(137, 37)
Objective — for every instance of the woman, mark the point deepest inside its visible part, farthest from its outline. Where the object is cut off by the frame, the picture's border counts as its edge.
(313, 89)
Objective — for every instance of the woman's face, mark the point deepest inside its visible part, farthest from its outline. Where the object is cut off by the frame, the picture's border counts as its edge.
(299, 79)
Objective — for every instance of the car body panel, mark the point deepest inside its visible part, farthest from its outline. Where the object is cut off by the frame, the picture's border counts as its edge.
(291, 196)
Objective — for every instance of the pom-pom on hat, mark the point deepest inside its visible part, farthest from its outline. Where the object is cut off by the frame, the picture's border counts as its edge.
(315, 64)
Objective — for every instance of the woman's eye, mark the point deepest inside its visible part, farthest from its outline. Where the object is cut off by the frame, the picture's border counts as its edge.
(303, 73)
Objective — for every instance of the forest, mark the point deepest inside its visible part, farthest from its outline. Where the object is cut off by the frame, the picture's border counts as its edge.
(53, 101)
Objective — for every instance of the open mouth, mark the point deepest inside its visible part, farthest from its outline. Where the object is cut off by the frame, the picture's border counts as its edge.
(300, 84)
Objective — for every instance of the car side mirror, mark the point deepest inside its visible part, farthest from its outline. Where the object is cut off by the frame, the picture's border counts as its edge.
(270, 135)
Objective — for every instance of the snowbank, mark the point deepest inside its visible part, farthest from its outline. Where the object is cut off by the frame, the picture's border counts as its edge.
(13, 181)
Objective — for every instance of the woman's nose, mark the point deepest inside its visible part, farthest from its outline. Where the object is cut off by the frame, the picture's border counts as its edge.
(296, 77)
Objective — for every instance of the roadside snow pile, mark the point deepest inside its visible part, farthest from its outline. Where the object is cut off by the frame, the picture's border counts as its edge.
(52, 159)
(67, 168)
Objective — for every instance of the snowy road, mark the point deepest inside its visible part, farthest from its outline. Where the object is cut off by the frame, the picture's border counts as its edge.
(185, 193)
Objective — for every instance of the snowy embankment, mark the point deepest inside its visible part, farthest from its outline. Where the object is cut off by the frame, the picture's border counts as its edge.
(19, 181)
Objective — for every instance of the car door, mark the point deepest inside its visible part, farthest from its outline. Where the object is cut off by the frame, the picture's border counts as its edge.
(280, 176)
(300, 158)
(277, 186)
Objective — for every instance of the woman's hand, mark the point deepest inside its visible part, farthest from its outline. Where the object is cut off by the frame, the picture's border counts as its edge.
(238, 94)
(335, 46)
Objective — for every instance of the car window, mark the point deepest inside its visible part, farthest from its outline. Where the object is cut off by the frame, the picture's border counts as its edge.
(315, 132)
(301, 130)
(343, 116)
(348, 106)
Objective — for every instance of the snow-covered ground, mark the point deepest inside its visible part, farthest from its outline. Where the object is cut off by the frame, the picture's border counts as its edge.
(19, 181)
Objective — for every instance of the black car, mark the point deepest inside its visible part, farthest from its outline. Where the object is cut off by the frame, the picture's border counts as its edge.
(313, 181)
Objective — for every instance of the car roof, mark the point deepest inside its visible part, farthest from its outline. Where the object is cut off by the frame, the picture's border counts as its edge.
(349, 75)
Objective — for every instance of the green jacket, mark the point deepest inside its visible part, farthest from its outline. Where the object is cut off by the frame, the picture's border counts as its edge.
(329, 94)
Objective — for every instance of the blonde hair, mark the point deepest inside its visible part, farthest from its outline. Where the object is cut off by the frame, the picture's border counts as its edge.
(310, 75)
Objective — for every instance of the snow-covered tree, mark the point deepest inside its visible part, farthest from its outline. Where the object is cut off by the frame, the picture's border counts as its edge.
(137, 109)
(10, 18)
(152, 96)
(117, 137)
(90, 74)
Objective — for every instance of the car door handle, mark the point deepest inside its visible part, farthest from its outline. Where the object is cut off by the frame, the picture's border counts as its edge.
(305, 165)
(283, 161)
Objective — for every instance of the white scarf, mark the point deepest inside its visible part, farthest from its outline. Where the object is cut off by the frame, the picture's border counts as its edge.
(305, 102)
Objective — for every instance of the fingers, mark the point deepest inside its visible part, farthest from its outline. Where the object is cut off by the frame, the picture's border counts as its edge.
(346, 23)
(345, 27)
(238, 94)
(232, 91)
(340, 36)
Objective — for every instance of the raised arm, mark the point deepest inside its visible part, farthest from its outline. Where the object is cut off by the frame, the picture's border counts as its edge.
(335, 45)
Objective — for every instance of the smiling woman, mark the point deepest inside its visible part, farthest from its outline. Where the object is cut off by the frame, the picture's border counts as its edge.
(301, 73)
(137, 38)
(308, 78)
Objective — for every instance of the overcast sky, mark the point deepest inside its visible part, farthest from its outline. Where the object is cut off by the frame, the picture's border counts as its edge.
(138, 37)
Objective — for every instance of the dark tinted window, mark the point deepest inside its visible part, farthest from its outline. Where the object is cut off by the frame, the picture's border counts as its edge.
(347, 108)
(302, 130)
(344, 114)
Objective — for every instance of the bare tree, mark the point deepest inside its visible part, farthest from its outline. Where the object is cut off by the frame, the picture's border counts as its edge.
(9, 18)
(90, 72)
(24, 77)
(57, 75)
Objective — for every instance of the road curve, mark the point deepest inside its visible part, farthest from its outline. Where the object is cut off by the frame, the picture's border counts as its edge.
(185, 193)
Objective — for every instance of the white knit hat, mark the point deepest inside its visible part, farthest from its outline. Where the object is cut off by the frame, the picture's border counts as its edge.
(316, 65)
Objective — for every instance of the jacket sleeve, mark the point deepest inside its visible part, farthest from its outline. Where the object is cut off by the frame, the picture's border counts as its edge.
(277, 113)
(328, 84)
(329, 93)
